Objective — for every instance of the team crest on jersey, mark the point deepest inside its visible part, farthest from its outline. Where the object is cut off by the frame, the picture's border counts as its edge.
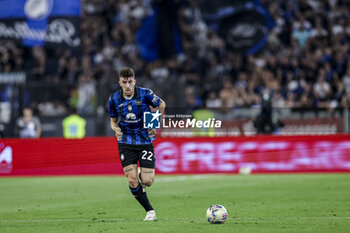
(138, 102)
(122, 157)
(129, 108)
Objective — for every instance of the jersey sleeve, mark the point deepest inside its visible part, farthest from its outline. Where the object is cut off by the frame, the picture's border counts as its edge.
(152, 99)
(112, 109)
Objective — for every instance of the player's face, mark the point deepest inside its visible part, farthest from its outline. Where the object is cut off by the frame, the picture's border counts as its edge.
(128, 85)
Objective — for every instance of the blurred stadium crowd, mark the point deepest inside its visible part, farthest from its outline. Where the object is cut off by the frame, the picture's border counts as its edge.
(305, 62)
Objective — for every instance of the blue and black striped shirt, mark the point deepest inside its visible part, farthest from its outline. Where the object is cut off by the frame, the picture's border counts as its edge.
(129, 114)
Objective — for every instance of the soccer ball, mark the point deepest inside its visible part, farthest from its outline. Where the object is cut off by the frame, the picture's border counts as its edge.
(216, 214)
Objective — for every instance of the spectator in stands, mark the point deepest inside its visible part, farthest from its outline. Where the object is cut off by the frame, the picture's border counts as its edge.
(213, 101)
(322, 90)
(86, 93)
(28, 126)
(301, 35)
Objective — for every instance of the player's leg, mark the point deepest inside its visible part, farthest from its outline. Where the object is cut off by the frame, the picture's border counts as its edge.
(129, 157)
(135, 188)
(130, 172)
(147, 176)
(147, 164)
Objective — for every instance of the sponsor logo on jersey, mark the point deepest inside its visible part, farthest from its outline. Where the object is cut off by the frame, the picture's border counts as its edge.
(131, 118)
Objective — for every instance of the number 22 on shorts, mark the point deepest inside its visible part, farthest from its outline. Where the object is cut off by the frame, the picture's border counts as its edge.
(147, 155)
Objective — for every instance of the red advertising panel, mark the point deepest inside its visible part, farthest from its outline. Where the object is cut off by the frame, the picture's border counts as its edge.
(259, 154)
(59, 156)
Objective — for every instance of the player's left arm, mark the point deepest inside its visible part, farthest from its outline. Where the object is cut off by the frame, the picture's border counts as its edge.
(161, 109)
(156, 103)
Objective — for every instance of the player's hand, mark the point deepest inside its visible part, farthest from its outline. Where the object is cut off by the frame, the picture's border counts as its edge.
(118, 134)
(152, 132)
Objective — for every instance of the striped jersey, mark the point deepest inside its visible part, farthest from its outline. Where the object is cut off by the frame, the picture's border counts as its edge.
(129, 114)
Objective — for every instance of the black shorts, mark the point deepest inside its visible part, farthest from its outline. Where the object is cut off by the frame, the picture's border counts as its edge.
(130, 154)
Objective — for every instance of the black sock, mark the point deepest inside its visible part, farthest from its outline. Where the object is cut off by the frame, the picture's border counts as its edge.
(141, 197)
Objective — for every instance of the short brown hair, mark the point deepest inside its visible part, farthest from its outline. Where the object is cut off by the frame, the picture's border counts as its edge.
(126, 72)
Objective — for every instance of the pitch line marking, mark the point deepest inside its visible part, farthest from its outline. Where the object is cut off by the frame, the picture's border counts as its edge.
(181, 178)
(164, 219)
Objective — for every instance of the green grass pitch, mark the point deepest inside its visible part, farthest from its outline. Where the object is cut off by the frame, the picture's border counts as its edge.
(255, 203)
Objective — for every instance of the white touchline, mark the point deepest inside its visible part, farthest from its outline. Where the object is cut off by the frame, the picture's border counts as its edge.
(181, 178)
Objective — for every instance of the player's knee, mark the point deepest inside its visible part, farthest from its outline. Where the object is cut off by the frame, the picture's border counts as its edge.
(148, 181)
(133, 182)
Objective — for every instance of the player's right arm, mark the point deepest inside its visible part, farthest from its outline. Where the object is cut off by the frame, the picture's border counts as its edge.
(113, 114)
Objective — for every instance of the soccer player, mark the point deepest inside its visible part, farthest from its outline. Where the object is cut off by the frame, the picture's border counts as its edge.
(126, 108)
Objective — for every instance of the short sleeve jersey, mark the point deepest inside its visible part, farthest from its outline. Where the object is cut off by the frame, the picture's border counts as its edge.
(129, 114)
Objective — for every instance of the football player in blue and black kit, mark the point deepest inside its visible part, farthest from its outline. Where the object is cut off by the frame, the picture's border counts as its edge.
(126, 108)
